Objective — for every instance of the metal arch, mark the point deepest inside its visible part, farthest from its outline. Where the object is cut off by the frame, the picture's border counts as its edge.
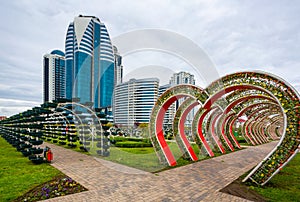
(95, 129)
(178, 128)
(227, 133)
(212, 125)
(59, 118)
(156, 121)
(285, 96)
(197, 130)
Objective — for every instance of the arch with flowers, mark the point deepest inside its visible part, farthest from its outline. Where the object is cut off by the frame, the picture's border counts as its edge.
(265, 105)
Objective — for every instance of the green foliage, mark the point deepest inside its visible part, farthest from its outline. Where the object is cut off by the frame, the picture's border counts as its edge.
(241, 140)
(285, 185)
(131, 139)
(140, 158)
(132, 144)
(143, 125)
(58, 187)
(19, 175)
(145, 158)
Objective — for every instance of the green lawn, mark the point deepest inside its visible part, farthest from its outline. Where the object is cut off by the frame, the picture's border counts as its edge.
(145, 158)
(18, 175)
(285, 186)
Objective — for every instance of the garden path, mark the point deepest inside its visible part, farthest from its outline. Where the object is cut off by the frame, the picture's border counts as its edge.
(200, 181)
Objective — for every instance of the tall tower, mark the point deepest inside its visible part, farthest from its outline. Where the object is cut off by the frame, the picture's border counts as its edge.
(118, 67)
(183, 78)
(54, 76)
(170, 113)
(89, 62)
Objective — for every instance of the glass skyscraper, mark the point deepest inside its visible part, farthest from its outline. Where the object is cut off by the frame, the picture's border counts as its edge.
(54, 76)
(89, 62)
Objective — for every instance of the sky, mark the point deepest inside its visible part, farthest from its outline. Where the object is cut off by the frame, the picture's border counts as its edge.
(237, 35)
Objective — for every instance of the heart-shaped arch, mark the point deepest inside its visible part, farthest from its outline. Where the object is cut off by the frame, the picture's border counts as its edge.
(274, 91)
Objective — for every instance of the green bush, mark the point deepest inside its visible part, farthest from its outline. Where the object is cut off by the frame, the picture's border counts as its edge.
(119, 139)
(131, 139)
(132, 144)
(134, 139)
(241, 139)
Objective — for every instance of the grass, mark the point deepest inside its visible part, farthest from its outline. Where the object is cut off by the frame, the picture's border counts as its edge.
(285, 185)
(146, 158)
(143, 158)
(19, 175)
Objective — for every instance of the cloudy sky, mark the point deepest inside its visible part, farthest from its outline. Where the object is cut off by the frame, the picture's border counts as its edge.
(236, 35)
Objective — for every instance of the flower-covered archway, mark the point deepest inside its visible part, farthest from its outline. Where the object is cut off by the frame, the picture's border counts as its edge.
(269, 103)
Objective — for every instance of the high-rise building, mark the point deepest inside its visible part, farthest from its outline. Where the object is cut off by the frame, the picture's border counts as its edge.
(170, 113)
(134, 101)
(54, 76)
(183, 78)
(89, 62)
(118, 67)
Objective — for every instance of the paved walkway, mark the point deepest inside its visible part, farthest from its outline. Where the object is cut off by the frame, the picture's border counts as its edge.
(199, 181)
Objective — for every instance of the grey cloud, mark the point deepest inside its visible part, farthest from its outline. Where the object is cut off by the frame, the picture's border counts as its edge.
(237, 35)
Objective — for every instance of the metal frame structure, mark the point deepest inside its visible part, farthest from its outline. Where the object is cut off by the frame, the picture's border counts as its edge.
(270, 103)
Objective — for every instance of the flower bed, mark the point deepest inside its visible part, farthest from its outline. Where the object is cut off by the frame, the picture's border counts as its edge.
(60, 186)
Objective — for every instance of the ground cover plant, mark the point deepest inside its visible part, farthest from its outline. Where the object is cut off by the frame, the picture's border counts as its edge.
(284, 186)
(19, 176)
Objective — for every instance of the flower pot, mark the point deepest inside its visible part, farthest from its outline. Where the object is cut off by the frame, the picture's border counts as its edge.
(72, 145)
(37, 151)
(99, 144)
(37, 142)
(26, 152)
(62, 143)
(37, 160)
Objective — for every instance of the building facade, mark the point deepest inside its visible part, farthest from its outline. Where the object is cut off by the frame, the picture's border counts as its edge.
(183, 78)
(134, 101)
(170, 113)
(54, 76)
(118, 67)
(89, 62)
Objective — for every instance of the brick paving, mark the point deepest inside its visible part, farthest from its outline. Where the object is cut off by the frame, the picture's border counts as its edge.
(199, 181)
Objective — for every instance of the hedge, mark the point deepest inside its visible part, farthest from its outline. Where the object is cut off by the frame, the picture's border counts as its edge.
(130, 139)
(132, 144)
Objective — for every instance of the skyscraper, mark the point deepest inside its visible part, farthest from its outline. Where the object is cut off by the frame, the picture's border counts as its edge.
(89, 62)
(170, 113)
(183, 78)
(118, 67)
(54, 76)
(134, 101)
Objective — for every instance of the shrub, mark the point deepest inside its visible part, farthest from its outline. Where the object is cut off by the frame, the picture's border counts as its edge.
(132, 144)
(130, 139)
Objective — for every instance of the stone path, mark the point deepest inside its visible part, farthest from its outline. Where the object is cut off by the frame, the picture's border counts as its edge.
(199, 181)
